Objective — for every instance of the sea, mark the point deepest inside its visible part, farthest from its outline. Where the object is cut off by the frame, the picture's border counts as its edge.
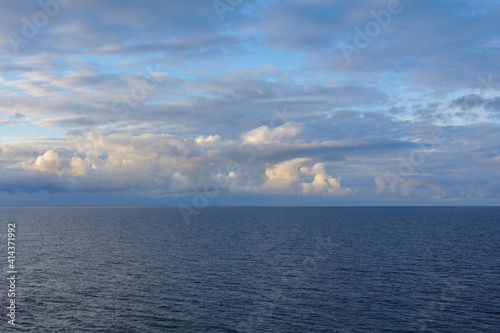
(251, 269)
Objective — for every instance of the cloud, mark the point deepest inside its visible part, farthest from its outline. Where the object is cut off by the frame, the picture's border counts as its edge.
(284, 177)
(155, 99)
(162, 165)
(468, 102)
(48, 162)
(285, 160)
(209, 139)
(427, 50)
(322, 182)
(266, 135)
(291, 177)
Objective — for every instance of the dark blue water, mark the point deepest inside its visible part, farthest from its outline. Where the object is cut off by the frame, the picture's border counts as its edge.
(255, 270)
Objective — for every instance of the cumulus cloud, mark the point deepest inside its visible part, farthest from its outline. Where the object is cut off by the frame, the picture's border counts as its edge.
(49, 162)
(322, 183)
(209, 139)
(266, 135)
(294, 177)
(162, 165)
(284, 177)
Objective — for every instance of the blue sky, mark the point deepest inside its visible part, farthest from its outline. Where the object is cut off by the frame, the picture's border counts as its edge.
(317, 102)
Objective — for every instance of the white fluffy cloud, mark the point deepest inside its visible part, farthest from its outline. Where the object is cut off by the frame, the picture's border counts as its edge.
(284, 177)
(49, 162)
(295, 176)
(209, 139)
(322, 183)
(162, 165)
(266, 135)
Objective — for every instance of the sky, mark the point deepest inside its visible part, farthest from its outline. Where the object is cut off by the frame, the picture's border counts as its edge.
(240, 102)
